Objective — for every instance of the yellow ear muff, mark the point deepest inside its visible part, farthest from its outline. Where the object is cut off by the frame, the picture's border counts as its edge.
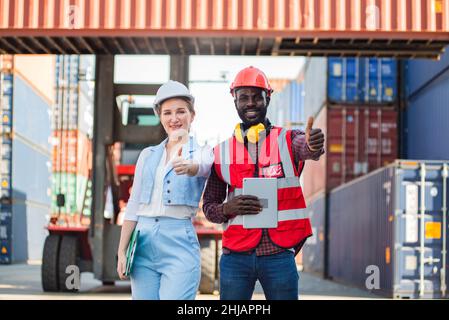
(252, 134)
(238, 133)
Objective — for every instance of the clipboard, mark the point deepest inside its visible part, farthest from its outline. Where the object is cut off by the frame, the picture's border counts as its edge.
(131, 251)
(266, 190)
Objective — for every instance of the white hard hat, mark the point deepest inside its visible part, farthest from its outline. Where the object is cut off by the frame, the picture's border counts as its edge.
(172, 89)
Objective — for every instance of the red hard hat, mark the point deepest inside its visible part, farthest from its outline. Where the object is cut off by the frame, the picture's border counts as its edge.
(251, 77)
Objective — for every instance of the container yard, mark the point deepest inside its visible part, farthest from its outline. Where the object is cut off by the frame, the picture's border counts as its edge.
(78, 85)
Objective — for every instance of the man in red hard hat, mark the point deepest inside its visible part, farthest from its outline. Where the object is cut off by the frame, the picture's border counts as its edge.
(259, 149)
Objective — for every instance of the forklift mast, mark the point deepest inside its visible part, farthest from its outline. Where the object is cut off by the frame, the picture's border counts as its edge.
(104, 234)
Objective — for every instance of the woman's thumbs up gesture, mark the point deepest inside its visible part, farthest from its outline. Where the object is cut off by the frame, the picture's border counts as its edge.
(314, 137)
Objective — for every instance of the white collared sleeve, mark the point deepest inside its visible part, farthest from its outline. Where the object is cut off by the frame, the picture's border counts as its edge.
(133, 203)
(204, 156)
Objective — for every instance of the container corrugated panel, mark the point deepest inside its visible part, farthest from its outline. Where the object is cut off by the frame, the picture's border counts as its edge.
(420, 71)
(5, 234)
(286, 106)
(31, 172)
(296, 116)
(381, 230)
(31, 114)
(359, 139)
(72, 152)
(29, 221)
(367, 80)
(378, 80)
(343, 80)
(315, 79)
(215, 16)
(85, 114)
(313, 250)
(6, 91)
(65, 111)
(426, 122)
(73, 187)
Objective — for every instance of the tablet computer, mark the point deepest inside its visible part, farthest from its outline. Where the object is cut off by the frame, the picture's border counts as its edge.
(266, 190)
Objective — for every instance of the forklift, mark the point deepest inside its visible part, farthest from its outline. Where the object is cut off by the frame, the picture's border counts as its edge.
(91, 243)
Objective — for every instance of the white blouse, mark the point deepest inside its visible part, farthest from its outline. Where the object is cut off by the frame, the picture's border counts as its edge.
(156, 208)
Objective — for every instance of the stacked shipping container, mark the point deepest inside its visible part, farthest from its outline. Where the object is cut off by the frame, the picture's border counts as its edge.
(286, 107)
(426, 116)
(72, 125)
(27, 126)
(354, 102)
(6, 89)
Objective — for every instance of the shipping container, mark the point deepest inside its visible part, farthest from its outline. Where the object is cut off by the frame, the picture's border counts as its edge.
(425, 119)
(65, 111)
(359, 139)
(6, 104)
(74, 188)
(28, 218)
(388, 230)
(286, 107)
(378, 82)
(31, 172)
(349, 81)
(31, 114)
(421, 72)
(314, 77)
(36, 70)
(71, 152)
(313, 252)
(72, 123)
(343, 79)
(26, 157)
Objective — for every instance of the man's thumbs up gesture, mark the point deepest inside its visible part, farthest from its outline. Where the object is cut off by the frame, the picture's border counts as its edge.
(314, 137)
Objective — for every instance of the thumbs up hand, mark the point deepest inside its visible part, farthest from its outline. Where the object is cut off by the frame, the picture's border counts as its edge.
(314, 137)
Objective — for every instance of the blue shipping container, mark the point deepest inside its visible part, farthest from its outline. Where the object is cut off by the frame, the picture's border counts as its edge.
(418, 72)
(6, 89)
(31, 178)
(425, 122)
(392, 238)
(368, 80)
(343, 80)
(31, 114)
(379, 80)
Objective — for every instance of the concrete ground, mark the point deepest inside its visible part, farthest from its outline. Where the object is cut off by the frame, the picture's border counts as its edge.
(23, 281)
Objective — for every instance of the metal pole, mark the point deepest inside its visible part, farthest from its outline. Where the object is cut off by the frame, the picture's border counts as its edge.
(422, 225)
(103, 136)
(444, 211)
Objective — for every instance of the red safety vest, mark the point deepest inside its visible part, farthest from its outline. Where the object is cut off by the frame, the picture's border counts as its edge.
(233, 163)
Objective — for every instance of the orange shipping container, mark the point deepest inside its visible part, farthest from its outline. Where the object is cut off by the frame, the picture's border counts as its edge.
(72, 152)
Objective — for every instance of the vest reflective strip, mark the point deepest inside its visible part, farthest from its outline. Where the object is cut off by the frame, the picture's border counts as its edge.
(225, 161)
(291, 182)
(286, 160)
(283, 215)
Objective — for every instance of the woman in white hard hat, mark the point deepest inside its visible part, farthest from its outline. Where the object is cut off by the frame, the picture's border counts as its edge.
(168, 183)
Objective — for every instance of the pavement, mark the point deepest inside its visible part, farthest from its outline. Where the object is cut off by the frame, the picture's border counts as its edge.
(23, 281)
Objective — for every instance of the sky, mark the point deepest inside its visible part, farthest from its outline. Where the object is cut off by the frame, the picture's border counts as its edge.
(210, 79)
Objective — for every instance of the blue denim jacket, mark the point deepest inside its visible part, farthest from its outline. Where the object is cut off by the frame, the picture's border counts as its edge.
(177, 189)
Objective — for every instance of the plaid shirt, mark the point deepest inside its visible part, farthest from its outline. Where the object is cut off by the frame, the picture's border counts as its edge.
(216, 191)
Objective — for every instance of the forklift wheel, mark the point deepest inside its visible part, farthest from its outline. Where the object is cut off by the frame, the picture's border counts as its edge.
(69, 255)
(49, 269)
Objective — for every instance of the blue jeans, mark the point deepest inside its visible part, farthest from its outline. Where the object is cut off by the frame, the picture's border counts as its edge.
(276, 273)
(167, 263)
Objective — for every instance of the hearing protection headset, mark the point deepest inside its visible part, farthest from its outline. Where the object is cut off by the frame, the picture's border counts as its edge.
(252, 134)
